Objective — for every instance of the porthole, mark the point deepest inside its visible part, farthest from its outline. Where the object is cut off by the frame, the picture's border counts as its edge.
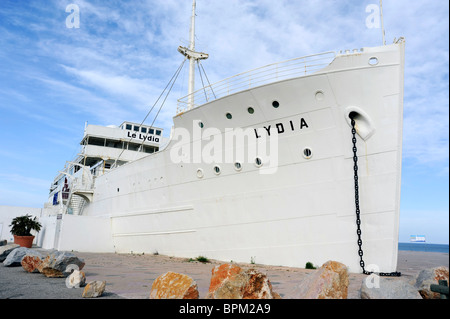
(238, 166)
(307, 153)
(217, 170)
(276, 104)
(373, 61)
(229, 116)
(258, 162)
(320, 96)
(200, 173)
(251, 110)
(201, 124)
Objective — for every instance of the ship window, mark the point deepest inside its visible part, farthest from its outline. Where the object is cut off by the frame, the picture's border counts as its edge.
(276, 104)
(307, 153)
(96, 141)
(128, 127)
(158, 132)
(133, 147)
(152, 131)
(217, 170)
(136, 128)
(201, 124)
(258, 162)
(229, 116)
(373, 61)
(251, 110)
(238, 166)
(143, 129)
(200, 173)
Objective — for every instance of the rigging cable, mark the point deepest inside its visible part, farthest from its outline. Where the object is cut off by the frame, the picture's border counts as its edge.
(203, 84)
(209, 84)
(172, 80)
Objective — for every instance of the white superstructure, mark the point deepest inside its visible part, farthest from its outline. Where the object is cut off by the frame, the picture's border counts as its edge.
(261, 169)
(103, 148)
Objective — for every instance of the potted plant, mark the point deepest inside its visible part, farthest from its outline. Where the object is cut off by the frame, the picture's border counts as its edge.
(21, 229)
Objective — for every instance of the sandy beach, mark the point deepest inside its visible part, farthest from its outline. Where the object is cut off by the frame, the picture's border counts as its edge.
(131, 276)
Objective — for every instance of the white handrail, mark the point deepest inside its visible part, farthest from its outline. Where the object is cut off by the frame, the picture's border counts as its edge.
(263, 75)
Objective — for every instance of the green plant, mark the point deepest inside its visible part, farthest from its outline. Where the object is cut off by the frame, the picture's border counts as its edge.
(252, 260)
(309, 265)
(202, 259)
(23, 225)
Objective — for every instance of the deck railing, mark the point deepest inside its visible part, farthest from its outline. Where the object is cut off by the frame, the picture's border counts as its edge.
(264, 75)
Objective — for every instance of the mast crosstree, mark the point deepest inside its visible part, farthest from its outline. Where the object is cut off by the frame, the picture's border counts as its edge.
(193, 57)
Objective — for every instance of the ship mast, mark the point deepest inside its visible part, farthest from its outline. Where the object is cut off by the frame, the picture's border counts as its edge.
(193, 58)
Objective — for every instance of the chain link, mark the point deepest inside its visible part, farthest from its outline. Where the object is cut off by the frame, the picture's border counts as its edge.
(358, 212)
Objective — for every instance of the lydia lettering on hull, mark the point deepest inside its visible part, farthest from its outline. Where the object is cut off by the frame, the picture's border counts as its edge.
(143, 137)
(281, 128)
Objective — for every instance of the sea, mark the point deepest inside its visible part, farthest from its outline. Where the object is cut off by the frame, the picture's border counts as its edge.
(437, 248)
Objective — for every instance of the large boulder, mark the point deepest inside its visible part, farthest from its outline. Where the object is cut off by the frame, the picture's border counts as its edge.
(6, 250)
(428, 277)
(60, 264)
(14, 258)
(388, 288)
(76, 280)
(174, 286)
(32, 260)
(328, 282)
(232, 282)
(94, 289)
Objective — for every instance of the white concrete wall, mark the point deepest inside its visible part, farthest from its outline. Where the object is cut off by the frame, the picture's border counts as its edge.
(8, 213)
(85, 234)
(46, 237)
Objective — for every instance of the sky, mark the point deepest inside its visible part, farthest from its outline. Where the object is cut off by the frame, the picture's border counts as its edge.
(55, 77)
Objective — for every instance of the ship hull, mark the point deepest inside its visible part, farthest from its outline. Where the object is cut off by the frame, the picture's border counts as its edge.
(294, 208)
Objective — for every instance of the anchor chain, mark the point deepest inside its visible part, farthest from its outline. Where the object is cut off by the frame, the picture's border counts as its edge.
(358, 212)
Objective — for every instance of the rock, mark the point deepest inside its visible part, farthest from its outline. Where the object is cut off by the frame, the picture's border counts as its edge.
(220, 274)
(94, 289)
(6, 250)
(32, 260)
(60, 264)
(328, 282)
(232, 282)
(428, 277)
(388, 289)
(76, 280)
(14, 258)
(174, 286)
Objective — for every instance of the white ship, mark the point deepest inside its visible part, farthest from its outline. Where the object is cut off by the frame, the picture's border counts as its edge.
(259, 167)
(417, 239)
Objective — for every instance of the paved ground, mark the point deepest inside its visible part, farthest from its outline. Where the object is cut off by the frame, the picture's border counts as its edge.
(131, 276)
